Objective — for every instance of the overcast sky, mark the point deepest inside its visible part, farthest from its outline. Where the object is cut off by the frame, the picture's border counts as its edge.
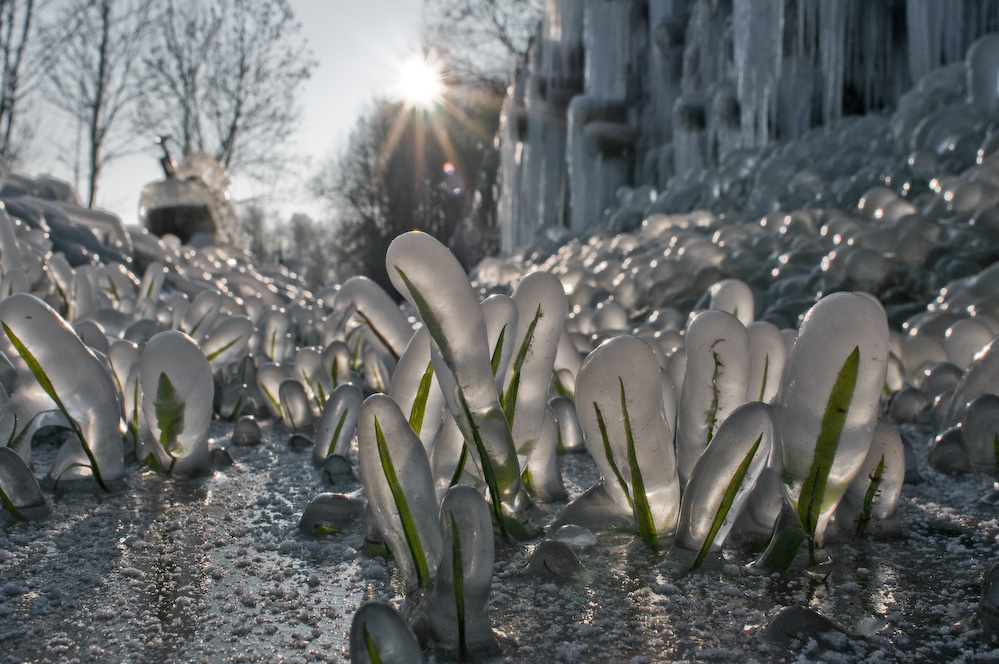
(358, 46)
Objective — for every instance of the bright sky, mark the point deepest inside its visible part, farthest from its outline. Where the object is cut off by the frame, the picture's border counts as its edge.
(359, 47)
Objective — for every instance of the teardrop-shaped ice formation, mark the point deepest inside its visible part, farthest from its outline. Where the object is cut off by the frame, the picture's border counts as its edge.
(400, 490)
(19, 490)
(177, 389)
(767, 356)
(309, 370)
(227, 341)
(869, 504)
(542, 475)
(980, 434)
(430, 277)
(386, 324)
(269, 379)
(722, 481)
(336, 362)
(200, 317)
(715, 383)
(379, 635)
(570, 435)
(57, 371)
(457, 608)
(329, 513)
(540, 301)
(338, 422)
(246, 431)
(733, 296)
(828, 403)
(273, 337)
(416, 390)
(296, 407)
(620, 410)
(500, 312)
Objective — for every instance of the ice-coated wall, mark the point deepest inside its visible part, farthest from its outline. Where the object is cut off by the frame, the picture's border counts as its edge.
(651, 92)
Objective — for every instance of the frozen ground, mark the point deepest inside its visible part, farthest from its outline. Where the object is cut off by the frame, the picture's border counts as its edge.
(216, 570)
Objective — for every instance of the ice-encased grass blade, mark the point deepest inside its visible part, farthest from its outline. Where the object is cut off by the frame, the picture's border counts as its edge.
(626, 433)
(725, 508)
(409, 530)
(399, 487)
(542, 475)
(379, 635)
(509, 399)
(767, 356)
(54, 358)
(870, 502)
(722, 481)
(643, 513)
(227, 341)
(420, 402)
(369, 302)
(458, 575)
(715, 382)
(541, 308)
(169, 408)
(177, 401)
(813, 489)
(826, 410)
(338, 422)
(433, 281)
(457, 610)
(19, 490)
(416, 390)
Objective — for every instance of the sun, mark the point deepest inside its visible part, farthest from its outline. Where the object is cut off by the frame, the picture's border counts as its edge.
(420, 84)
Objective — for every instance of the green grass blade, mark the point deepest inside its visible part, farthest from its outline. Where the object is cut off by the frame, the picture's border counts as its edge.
(766, 372)
(336, 433)
(419, 408)
(369, 644)
(726, 503)
(458, 572)
(643, 512)
(379, 335)
(19, 439)
(9, 505)
(273, 399)
(494, 361)
(211, 356)
(462, 460)
(609, 455)
(872, 492)
(510, 398)
(518, 363)
(43, 380)
(409, 529)
(487, 467)
(712, 413)
(833, 420)
(170, 409)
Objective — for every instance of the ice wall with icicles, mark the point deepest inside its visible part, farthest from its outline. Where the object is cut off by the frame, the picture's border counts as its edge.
(636, 93)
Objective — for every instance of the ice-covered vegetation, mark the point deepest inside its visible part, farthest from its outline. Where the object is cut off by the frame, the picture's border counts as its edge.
(744, 385)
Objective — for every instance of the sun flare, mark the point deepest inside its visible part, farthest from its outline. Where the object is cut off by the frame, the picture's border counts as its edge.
(420, 84)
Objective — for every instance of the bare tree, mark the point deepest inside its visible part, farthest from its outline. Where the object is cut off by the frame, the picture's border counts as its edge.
(28, 41)
(222, 76)
(93, 77)
(173, 82)
(481, 39)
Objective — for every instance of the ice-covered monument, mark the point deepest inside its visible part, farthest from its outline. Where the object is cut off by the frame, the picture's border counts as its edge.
(649, 94)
